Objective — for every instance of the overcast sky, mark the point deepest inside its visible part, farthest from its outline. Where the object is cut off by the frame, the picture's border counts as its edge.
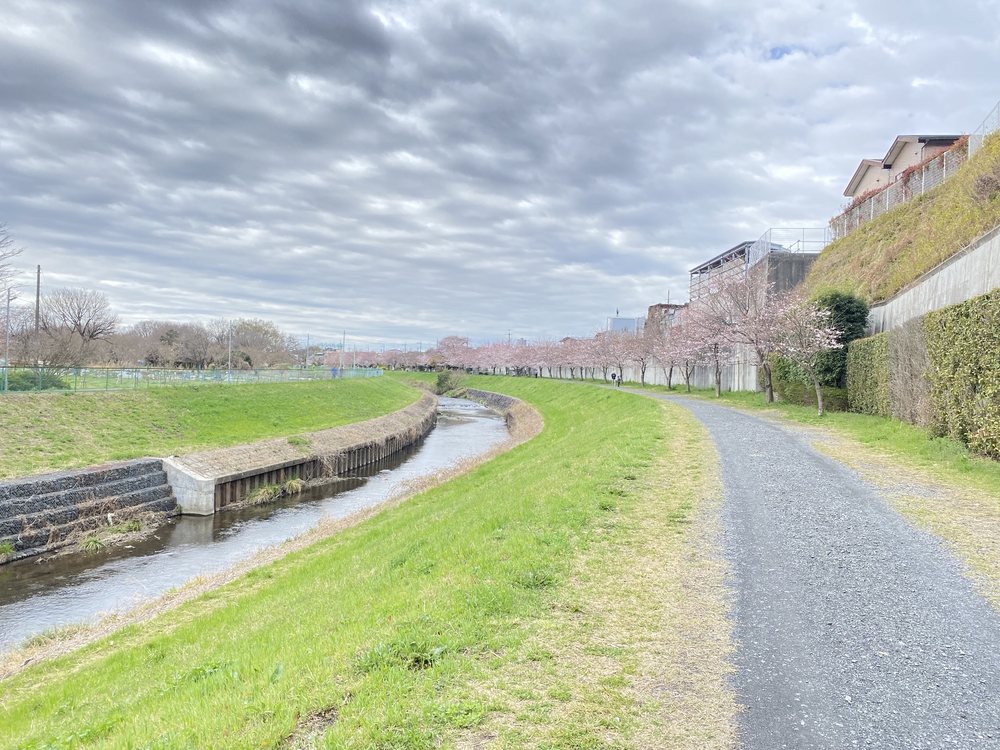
(409, 170)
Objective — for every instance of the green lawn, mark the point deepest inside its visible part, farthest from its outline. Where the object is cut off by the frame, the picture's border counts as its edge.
(46, 431)
(543, 600)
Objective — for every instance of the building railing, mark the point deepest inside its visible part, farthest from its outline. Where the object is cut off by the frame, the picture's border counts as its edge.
(909, 185)
(788, 240)
(989, 125)
(915, 181)
(21, 379)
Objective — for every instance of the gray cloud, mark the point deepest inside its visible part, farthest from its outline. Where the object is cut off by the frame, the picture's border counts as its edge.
(407, 170)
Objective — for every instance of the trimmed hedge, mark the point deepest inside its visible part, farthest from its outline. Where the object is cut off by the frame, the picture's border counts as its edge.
(963, 347)
(868, 375)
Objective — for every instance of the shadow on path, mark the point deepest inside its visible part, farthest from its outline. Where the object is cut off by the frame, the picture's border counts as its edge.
(854, 629)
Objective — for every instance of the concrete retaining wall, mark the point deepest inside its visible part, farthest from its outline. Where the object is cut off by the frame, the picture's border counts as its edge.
(967, 274)
(206, 482)
(43, 513)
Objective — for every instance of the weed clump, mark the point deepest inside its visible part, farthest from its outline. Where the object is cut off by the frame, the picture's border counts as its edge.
(413, 655)
(92, 544)
(268, 493)
(126, 527)
(6, 551)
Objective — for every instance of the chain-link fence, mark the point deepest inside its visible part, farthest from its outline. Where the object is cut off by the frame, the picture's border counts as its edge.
(15, 379)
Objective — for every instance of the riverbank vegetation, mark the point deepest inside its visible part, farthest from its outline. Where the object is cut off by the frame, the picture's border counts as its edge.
(46, 432)
(565, 594)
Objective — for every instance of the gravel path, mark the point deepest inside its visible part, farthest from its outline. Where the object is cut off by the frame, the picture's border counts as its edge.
(854, 628)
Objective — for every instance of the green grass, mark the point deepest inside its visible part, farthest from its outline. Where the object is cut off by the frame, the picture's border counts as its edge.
(392, 623)
(884, 255)
(45, 432)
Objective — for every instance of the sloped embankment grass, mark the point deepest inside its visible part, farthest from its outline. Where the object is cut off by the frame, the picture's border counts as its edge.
(886, 254)
(46, 431)
(562, 595)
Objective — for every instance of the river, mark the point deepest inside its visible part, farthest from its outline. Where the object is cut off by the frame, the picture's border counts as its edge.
(37, 594)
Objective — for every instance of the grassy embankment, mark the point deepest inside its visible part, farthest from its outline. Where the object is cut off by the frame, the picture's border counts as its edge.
(47, 431)
(886, 254)
(565, 594)
(934, 481)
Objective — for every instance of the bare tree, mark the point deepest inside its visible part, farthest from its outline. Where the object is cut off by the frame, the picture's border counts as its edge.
(72, 321)
(7, 252)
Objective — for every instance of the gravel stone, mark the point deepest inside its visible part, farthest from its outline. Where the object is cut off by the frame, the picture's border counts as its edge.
(853, 628)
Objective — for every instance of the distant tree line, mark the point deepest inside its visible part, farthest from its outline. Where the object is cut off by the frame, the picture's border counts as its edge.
(78, 327)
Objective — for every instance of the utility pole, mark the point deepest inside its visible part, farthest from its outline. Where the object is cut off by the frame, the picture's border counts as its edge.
(343, 343)
(229, 369)
(307, 352)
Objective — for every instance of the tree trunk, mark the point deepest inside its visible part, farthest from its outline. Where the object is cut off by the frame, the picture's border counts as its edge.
(768, 382)
(718, 379)
(670, 378)
(819, 393)
(642, 376)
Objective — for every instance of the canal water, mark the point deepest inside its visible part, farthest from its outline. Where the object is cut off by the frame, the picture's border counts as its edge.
(40, 593)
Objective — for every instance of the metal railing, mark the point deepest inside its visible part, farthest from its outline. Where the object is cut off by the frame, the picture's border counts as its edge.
(990, 125)
(788, 240)
(918, 181)
(909, 185)
(21, 379)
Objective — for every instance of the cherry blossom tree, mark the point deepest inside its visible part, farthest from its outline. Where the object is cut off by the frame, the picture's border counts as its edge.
(748, 313)
(806, 334)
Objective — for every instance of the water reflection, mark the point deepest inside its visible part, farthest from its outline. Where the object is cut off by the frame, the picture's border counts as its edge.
(40, 593)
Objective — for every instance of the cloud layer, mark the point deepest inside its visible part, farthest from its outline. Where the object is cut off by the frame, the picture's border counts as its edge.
(409, 170)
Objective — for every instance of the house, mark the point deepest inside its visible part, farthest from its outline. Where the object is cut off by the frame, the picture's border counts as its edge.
(906, 151)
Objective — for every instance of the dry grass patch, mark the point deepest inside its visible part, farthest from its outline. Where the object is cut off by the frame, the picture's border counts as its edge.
(634, 651)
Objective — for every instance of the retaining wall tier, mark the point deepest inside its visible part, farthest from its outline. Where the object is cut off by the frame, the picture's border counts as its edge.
(207, 482)
(43, 513)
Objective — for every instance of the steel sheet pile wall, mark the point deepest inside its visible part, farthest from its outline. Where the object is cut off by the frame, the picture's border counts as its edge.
(204, 483)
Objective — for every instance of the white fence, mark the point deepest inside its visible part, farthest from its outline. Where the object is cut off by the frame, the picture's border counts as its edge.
(915, 182)
(910, 184)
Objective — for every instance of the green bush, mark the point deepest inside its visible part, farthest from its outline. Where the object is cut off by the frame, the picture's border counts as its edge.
(27, 380)
(834, 399)
(868, 375)
(450, 380)
(963, 348)
(849, 315)
(793, 385)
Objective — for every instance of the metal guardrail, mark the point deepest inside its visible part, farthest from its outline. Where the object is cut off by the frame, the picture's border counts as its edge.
(18, 379)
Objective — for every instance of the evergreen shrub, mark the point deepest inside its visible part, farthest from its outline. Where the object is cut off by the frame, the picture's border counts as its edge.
(963, 348)
(868, 375)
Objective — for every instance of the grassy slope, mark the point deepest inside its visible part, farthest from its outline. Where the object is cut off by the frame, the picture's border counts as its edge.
(416, 627)
(884, 255)
(44, 432)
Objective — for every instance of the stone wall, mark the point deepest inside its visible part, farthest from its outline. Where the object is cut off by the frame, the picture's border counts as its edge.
(43, 513)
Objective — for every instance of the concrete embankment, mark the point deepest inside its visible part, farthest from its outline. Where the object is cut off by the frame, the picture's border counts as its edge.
(206, 482)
